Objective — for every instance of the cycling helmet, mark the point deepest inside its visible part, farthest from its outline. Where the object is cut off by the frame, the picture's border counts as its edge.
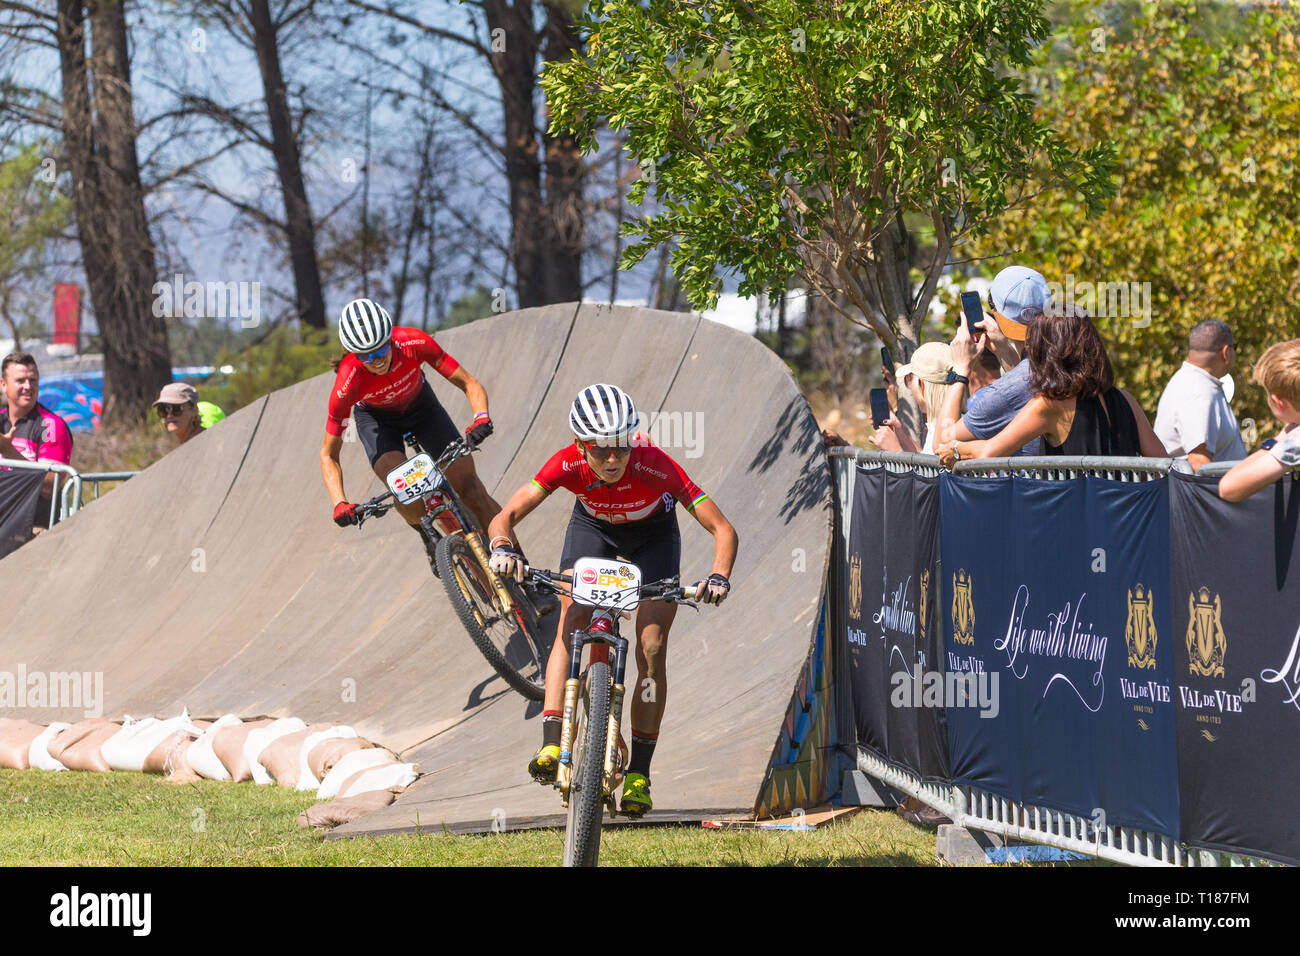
(603, 413)
(364, 326)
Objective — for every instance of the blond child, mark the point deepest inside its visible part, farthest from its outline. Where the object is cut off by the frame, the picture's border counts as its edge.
(1278, 371)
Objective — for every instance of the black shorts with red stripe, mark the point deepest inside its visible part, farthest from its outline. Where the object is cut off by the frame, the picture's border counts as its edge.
(653, 545)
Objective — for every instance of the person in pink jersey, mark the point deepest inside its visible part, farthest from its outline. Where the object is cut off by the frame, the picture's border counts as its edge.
(28, 429)
(381, 385)
(626, 492)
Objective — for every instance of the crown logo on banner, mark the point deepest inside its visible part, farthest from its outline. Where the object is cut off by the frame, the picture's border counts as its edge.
(1140, 631)
(1206, 642)
(855, 586)
(963, 609)
(925, 603)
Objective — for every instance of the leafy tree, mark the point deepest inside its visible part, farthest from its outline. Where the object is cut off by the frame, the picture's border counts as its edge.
(283, 358)
(468, 307)
(807, 138)
(32, 214)
(1204, 115)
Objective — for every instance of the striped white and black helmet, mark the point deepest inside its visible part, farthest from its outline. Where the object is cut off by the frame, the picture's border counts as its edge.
(364, 326)
(603, 413)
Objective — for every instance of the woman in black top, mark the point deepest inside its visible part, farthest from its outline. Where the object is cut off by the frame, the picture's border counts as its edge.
(1076, 409)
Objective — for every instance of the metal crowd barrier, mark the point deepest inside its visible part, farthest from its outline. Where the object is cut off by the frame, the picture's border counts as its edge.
(73, 480)
(71, 501)
(69, 496)
(978, 809)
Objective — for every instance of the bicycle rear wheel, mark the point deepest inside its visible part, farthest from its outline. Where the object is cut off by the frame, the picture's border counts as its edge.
(586, 792)
(511, 643)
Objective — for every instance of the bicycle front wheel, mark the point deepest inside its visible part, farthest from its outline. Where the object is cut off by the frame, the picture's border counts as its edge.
(586, 791)
(510, 642)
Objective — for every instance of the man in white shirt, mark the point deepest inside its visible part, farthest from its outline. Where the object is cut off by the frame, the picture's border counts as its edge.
(1194, 419)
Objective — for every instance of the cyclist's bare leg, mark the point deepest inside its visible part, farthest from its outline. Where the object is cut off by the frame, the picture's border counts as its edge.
(383, 465)
(572, 617)
(464, 478)
(653, 621)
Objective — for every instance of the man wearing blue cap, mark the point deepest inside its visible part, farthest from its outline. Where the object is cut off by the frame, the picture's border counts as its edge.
(1017, 295)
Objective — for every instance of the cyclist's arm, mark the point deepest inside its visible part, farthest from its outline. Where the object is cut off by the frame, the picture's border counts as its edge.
(521, 503)
(725, 539)
(473, 389)
(330, 469)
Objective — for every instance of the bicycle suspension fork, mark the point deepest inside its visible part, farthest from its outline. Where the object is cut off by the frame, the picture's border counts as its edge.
(603, 633)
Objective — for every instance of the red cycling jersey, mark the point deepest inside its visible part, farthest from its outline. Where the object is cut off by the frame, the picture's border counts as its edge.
(355, 384)
(651, 485)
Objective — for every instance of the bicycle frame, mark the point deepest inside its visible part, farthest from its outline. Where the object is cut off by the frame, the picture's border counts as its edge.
(602, 632)
(437, 524)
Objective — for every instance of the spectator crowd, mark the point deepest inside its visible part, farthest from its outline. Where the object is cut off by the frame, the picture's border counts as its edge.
(32, 432)
(1034, 379)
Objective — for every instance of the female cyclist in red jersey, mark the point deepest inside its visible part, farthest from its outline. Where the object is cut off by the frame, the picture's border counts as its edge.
(382, 386)
(627, 490)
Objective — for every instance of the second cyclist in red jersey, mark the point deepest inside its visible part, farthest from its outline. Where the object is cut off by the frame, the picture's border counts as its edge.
(381, 386)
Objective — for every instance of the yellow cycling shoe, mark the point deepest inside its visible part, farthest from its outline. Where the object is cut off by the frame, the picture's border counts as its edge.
(636, 795)
(544, 764)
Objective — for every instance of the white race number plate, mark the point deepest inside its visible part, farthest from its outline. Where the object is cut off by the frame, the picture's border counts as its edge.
(609, 584)
(414, 479)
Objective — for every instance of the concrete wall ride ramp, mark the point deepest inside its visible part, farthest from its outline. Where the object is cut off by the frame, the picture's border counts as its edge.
(216, 581)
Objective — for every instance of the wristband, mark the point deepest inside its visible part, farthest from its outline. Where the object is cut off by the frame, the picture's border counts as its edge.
(500, 537)
(478, 415)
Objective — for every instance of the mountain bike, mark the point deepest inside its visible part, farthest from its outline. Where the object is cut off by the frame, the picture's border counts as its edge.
(502, 621)
(593, 755)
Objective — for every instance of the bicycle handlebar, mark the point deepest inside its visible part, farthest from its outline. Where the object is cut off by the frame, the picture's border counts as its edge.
(669, 589)
(379, 505)
(375, 507)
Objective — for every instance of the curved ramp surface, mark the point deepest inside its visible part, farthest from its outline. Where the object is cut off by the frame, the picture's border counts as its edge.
(216, 581)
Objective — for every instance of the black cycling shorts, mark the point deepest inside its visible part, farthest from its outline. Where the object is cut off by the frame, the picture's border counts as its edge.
(381, 430)
(654, 545)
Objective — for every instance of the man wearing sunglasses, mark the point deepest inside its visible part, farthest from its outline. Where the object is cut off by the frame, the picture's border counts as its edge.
(627, 491)
(381, 385)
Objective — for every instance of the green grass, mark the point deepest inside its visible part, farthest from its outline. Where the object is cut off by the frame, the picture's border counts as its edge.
(131, 819)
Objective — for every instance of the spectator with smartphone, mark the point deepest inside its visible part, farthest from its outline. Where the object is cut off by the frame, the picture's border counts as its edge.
(28, 429)
(1017, 296)
(1076, 408)
(1194, 418)
(1278, 371)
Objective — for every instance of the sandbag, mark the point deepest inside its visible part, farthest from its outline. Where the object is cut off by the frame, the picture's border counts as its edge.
(349, 765)
(80, 747)
(283, 757)
(263, 737)
(306, 779)
(323, 756)
(169, 758)
(335, 812)
(16, 738)
(202, 758)
(384, 777)
(38, 757)
(130, 747)
(228, 745)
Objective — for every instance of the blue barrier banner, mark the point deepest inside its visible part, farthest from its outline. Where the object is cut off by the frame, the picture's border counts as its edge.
(1236, 629)
(892, 620)
(1057, 611)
